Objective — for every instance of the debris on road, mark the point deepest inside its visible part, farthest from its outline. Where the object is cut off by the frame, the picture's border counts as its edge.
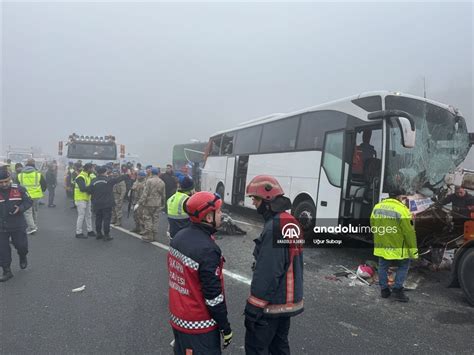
(353, 273)
(79, 289)
(229, 227)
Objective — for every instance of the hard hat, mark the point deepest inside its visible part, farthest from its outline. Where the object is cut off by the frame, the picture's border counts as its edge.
(264, 186)
(200, 204)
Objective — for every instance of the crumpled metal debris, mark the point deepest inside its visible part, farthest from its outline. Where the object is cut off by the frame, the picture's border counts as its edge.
(229, 227)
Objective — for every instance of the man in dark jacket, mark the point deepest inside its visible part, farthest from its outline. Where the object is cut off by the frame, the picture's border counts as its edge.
(276, 291)
(171, 183)
(102, 196)
(198, 309)
(14, 201)
(51, 177)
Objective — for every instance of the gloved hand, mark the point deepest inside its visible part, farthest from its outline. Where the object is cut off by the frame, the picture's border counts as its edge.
(226, 338)
(135, 207)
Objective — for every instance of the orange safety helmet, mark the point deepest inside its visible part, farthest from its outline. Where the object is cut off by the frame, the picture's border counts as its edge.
(264, 186)
(200, 204)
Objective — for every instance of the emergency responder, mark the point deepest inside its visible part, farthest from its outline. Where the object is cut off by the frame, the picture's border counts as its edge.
(394, 241)
(14, 201)
(35, 183)
(152, 202)
(148, 171)
(276, 291)
(119, 190)
(177, 217)
(82, 199)
(102, 197)
(136, 194)
(198, 310)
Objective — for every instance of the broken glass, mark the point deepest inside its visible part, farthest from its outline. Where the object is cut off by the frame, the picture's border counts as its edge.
(442, 143)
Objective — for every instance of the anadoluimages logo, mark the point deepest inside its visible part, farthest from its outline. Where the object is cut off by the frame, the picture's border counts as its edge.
(290, 231)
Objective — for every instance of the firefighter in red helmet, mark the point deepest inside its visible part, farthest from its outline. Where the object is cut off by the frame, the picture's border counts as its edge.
(276, 291)
(198, 311)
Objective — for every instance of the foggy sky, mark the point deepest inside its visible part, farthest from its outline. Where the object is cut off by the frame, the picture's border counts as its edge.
(155, 75)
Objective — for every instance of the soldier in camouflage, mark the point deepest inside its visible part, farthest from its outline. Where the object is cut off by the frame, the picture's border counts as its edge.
(119, 191)
(137, 192)
(152, 202)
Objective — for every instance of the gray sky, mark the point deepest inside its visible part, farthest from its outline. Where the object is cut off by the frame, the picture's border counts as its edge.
(155, 74)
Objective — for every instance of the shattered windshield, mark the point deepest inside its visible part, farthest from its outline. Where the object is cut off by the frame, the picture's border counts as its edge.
(442, 143)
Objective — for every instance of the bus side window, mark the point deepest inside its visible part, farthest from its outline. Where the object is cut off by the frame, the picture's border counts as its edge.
(215, 146)
(227, 144)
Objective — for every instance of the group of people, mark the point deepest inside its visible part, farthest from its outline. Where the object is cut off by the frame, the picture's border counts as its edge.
(197, 302)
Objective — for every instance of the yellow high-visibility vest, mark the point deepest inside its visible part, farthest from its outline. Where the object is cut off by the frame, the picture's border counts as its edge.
(31, 181)
(78, 194)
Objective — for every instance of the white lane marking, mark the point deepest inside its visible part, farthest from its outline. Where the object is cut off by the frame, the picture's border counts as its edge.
(231, 274)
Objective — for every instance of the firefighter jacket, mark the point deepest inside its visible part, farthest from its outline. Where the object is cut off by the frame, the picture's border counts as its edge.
(177, 217)
(196, 284)
(10, 198)
(277, 281)
(394, 234)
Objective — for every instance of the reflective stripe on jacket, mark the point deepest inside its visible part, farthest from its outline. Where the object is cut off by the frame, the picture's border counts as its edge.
(394, 234)
(32, 182)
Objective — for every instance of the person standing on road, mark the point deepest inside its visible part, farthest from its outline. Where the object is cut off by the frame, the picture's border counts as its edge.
(394, 241)
(16, 172)
(82, 199)
(102, 197)
(14, 201)
(119, 190)
(171, 183)
(35, 183)
(276, 291)
(135, 195)
(177, 216)
(197, 303)
(51, 177)
(152, 202)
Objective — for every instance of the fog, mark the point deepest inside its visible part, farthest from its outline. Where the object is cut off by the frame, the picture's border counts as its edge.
(157, 74)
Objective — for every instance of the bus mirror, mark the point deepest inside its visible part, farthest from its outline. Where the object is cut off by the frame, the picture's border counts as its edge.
(408, 134)
(387, 114)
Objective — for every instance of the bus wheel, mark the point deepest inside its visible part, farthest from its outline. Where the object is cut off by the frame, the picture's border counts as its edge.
(305, 213)
(220, 191)
(466, 275)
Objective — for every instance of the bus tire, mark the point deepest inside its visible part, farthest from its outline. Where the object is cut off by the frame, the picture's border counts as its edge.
(220, 191)
(305, 213)
(466, 275)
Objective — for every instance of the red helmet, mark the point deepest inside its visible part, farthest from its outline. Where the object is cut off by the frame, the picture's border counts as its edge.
(200, 204)
(264, 186)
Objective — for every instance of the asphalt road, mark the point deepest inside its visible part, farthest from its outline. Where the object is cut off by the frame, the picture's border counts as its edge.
(123, 308)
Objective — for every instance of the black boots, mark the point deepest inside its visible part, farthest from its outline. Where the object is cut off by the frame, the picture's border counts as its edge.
(107, 238)
(385, 293)
(399, 295)
(99, 236)
(7, 274)
(23, 262)
(91, 234)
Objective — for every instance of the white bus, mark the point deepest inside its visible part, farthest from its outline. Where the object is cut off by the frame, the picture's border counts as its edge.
(336, 160)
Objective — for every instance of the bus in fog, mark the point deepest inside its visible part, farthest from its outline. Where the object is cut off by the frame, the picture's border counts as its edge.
(335, 161)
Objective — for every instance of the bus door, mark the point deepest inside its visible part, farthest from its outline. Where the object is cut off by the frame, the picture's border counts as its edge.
(330, 180)
(238, 191)
(229, 181)
(364, 172)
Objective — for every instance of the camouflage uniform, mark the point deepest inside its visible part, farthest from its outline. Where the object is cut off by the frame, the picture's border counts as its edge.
(152, 202)
(119, 191)
(137, 192)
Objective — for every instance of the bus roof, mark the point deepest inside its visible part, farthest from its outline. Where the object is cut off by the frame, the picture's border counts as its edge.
(330, 105)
